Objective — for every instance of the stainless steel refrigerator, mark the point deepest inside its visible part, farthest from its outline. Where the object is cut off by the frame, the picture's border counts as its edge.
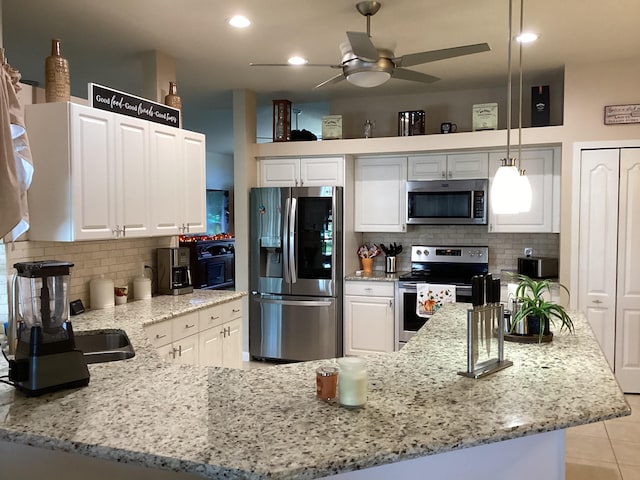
(295, 263)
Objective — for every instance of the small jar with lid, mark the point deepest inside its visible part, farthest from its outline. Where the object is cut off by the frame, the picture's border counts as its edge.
(352, 389)
(326, 383)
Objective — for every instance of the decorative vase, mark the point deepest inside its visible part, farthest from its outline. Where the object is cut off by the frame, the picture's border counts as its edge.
(533, 325)
(367, 264)
(56, 68)
(172, 99)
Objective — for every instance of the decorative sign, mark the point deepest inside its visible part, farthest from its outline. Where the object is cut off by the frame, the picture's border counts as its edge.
(485, 116)
(620, 114)
(111, 100)
(332, 127)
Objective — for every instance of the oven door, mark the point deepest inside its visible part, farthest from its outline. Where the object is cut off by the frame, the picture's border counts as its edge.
(407, 322)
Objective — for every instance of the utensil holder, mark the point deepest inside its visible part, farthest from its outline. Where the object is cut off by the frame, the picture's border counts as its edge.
(367, 264)
(390, 264)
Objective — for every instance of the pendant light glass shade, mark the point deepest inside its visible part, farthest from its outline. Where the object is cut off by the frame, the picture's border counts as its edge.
(504, 189)
(525, 195)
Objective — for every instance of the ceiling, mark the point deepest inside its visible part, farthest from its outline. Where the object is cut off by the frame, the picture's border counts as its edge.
(105, 41)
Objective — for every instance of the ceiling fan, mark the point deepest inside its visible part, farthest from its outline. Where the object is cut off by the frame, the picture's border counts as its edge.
(366, 65)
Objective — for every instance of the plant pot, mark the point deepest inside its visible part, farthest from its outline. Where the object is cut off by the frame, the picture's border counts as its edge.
(533, 325)
(367, 264)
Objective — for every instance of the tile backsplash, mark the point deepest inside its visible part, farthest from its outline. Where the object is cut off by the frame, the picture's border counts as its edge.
(120, 260)
(504, 248)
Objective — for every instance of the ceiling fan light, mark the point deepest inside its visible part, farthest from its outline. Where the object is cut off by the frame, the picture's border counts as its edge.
(239, 21)
(368, 79)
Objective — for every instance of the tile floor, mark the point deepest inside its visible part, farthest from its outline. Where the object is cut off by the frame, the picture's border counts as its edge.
(607, 450)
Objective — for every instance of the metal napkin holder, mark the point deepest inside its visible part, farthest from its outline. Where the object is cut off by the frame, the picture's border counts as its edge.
(475, 323)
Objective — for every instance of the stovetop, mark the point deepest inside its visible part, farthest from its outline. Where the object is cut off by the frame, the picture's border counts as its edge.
(454, 265)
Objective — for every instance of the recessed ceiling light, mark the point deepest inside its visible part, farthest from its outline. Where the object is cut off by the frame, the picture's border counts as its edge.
(297, 61)
(526, 37)
(239, 21)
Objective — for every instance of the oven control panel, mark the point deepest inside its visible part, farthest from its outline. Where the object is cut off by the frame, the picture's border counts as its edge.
(453, 254)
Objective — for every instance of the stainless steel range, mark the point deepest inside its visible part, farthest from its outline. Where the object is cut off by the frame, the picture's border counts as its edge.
(451, 265)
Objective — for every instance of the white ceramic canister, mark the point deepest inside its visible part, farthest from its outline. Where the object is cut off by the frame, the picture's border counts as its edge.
(141, 288)
(101, 293)
(352, 382)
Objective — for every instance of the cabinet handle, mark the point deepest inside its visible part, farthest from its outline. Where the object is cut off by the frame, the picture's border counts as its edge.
(228, 331)
(173, 353)
(597, 301)
(223, 332)
(214, 318)
(444, 174)
(390, 303)
(158, 337)
(368, 289)
(235, 310)
(450, 174)
(189, 326)
(179, 350)
(116, 231)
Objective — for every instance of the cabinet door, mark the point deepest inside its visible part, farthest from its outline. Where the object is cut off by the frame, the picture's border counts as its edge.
(232, 344)
(539, 167)
(166, 179)
(279, 172)
(380, 195)
(427, 167)
(598, 244)
(468, 165)
(186, 350)
(627, 357)
(92, 173)
(318, 172)
(210, 353)
(368, 325)
(194, 193)
(132, 176)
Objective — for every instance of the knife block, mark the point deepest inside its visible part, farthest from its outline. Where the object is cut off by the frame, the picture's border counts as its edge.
(482, 327)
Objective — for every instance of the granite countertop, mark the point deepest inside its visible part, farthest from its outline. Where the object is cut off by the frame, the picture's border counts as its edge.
(374, 275)
(223, 423)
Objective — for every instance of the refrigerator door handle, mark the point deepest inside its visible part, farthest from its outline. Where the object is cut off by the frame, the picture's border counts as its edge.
(285, 240)
(292, 243)
(297, 303)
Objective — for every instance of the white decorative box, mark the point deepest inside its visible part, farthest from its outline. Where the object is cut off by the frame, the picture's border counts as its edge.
(485, 116)
(331, 127)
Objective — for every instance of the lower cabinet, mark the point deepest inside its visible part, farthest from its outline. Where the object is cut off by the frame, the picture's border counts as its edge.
(368, 317)
(210, 337)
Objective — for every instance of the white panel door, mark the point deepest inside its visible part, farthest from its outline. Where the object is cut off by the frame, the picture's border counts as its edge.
(598, 244)
(211, 347)
(186, 350)
(92, 164)
(232, 344)
(131, 176)
(318, 172)
(166, 179)
(627, 364)
(368, 325)
(195, 183)
(279, 172)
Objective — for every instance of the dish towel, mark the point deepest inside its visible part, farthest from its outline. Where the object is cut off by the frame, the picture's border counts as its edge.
(16, 167)
(431, 296)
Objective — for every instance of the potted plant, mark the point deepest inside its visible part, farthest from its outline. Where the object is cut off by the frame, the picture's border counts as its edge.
(536, 310)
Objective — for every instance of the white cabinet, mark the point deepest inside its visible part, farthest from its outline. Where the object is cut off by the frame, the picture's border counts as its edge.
(100, 175)
(542, 167)
(178, 180)
(380, 194)
(301, 172)
(449, 166)
(209, 337)
(609, 267)
(368, 317)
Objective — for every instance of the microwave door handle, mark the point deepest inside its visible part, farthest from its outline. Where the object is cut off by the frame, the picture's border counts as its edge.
(285, 240)
(292, 243)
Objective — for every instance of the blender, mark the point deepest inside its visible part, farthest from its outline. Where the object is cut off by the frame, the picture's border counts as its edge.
(40, 336)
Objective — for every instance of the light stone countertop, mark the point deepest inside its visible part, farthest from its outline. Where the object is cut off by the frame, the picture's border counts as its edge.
(374, 275)
(266, 422)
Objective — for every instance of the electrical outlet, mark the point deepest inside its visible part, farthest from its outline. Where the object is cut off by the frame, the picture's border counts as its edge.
(528, 251)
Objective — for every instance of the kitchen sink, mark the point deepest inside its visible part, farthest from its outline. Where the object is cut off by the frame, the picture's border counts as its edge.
(107, 345)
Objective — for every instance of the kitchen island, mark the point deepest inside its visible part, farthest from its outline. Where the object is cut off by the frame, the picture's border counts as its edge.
(266, 423)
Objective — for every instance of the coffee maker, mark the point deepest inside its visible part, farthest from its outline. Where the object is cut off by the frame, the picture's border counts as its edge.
(40, 336)
(174, 272)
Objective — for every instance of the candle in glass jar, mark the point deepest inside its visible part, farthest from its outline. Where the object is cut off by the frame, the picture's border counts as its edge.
(352, 388)
(326, 383)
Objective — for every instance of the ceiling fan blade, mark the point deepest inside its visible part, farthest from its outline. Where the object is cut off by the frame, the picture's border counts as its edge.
(404, 74)
(289, 65)
(331, 81)
(362, 46)
(435, 55)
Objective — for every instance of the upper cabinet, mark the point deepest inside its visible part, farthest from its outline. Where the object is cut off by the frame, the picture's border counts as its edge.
(100, 175)
(542, 167)
(443, 166)
(380, 194)
(301, 172)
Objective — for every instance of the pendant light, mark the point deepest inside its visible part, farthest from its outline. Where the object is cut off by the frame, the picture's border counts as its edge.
(510, 188)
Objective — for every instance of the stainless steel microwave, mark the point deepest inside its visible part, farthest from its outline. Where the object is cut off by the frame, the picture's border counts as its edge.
(447, 202)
